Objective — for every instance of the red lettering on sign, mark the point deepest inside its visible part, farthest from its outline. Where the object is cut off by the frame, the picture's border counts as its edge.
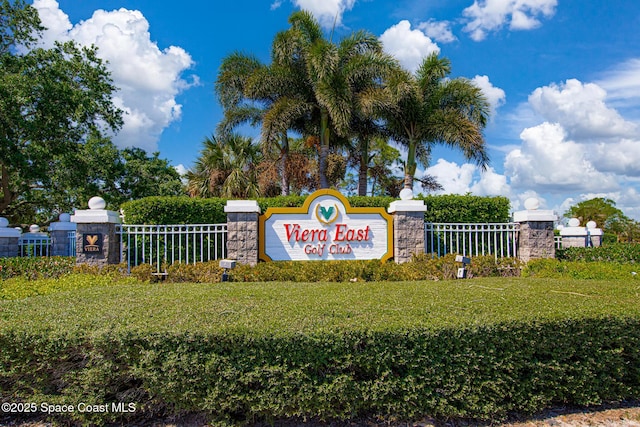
(344, 233)
(305, 235)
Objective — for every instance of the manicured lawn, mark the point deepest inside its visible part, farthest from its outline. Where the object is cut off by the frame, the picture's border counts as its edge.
(286, 308)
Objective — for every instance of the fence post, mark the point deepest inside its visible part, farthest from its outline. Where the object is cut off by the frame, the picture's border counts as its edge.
(408, 227)
(8, 239)
(59, 232)
(97, 241)
(536, 239)
(242, 230)
(575, 236)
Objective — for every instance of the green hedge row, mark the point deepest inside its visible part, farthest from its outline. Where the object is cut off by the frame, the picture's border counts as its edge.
(623, 253)
(185, 210)
(422, 267)
(483, 372)
(34, 268)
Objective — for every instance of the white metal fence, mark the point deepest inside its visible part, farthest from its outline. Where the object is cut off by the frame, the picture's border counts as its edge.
(163, 245)
(34, 246)
(498, 239)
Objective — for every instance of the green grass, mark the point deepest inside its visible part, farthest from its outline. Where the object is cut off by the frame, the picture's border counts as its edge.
(310, 308)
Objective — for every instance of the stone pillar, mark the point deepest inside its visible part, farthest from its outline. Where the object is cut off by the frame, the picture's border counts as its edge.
(242, 231)
(575, 236)
(408, 227)
(8, 240)
(97, 240)
(59, 232)
(536, 239)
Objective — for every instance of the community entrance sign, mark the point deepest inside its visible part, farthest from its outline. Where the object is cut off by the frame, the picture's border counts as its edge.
(326, 227)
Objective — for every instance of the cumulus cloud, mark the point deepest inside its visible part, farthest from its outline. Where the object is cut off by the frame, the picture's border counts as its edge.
(408, 45)
(326, 11)
(466, 178)
(439, 31)
(549, 161)
(495, 95)
(581, 109)
(491, 15)
(149, 79)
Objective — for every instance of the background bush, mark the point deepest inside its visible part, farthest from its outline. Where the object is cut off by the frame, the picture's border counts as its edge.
(581, 270)
(185, 210)
(33, 268)
(612, 252)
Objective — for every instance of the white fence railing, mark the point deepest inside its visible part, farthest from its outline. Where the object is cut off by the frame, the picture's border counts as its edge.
(498, 239)
(34, 247)
(163, 245)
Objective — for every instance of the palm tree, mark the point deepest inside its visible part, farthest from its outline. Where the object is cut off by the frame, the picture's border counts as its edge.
(341, 81)
(432, 109)
(226, 168)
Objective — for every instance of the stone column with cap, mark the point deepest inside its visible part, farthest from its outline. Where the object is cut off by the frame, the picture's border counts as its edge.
(97, 238)
(242, 231)
(408, 226)
(536, 238)
(575, 236)
(8, 239)
(59, 232)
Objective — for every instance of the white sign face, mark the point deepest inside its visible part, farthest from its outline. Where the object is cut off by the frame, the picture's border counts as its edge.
(326, 227)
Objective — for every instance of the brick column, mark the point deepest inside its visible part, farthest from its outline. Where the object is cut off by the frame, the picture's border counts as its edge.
(8, 240)
(97, 240)
(536, 239)
(59, 233)
(408, 228)
(242, 231)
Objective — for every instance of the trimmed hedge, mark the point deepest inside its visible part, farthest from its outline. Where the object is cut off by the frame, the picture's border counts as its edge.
(252, 353)
(185, 210)
(33, 268)
(613, 252)
(550, 268)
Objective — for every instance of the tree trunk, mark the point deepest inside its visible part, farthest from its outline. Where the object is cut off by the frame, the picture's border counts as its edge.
(7, 194)
(364, 168)
(284, 158)
(410, 166)
(323, 152)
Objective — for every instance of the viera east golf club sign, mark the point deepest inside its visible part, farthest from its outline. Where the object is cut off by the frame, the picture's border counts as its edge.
(326, 227)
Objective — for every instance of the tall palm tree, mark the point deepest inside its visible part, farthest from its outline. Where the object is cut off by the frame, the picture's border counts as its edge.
(432, 109)
(341, 80)
(226, 168)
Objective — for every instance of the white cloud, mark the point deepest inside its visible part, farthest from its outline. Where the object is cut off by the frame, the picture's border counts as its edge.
(491, 15)
(622, 83)
(326, 11)
(466, 178)
(148, 79)
(407, 45)
(439, 31)
(548, 161)
(495, 95)
(581, 110)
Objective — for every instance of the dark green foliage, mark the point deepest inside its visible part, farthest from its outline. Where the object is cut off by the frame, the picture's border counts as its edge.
(467, 208)
(184, 210)
(247, 353)
(175, 210)
(613, 252)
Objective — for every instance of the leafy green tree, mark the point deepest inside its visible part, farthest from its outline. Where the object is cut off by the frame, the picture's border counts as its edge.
(226, 168)
(431, 108)
(606, 215)
(51, 100)
(100, 169)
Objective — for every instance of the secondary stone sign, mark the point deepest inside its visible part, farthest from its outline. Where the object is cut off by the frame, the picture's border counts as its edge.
(326, 227)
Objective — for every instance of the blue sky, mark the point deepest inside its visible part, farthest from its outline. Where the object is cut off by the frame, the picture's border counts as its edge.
(563, 77)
